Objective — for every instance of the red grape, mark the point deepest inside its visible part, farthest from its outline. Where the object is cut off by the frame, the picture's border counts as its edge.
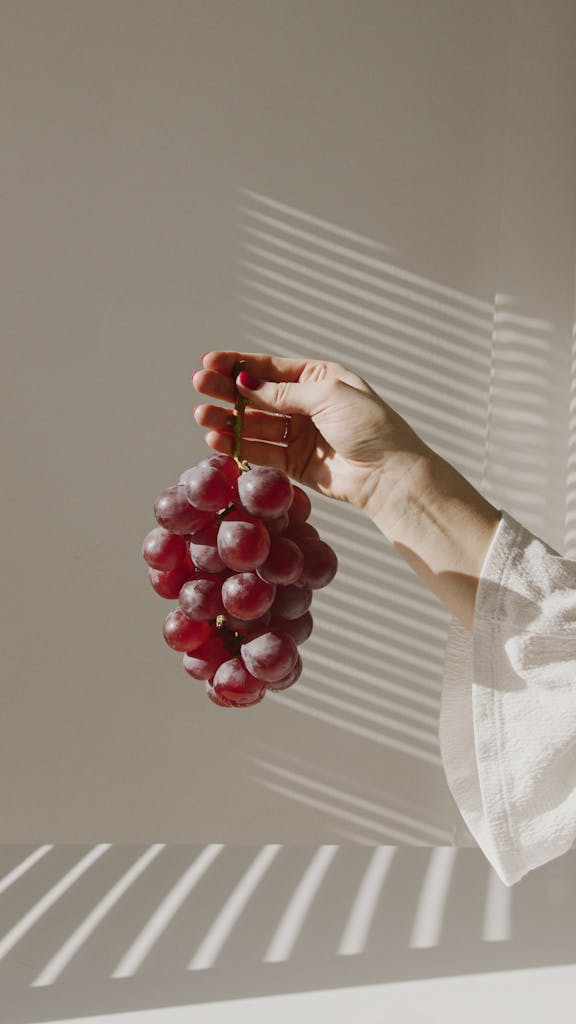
(264, 491)
(284, 564)
(204, 661)
(276, 526)
(163, 550)
(291, 602)
(182, 634)
(226, 464)
(207, 488)
(201, 597)
(270, 655)
(236, 684)
(320, 564)
(303, 533)
(189, 564)
(299, 629)
(203, 549)
(217, 698)
(300, 508)
(243, 578)
(168, 584)
(243, 542)
(174, 512)
(247, 625)
(289, 679)
(246, 596)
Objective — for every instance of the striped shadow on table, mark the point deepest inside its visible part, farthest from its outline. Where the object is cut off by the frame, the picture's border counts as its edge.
(91, 930)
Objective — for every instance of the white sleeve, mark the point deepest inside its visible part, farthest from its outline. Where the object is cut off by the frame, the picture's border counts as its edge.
(508, 705)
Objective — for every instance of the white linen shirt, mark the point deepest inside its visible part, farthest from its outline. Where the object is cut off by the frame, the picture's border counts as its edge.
(508, 706)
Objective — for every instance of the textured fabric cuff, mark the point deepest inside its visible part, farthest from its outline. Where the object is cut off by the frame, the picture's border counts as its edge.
(468, 726)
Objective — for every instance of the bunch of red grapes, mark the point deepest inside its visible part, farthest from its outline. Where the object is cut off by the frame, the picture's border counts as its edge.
(234, 547)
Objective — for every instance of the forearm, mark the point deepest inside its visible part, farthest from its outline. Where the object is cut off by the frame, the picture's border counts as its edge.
(442, 526)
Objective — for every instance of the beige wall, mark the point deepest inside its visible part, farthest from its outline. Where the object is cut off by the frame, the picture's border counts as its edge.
(161, 163)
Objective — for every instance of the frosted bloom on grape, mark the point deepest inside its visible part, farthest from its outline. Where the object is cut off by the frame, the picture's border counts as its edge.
(207, 488)
(203, 663)
(284, 564)
(270, 655)
(320, 564)
(246, 596)
(163, 550)
(225, 463)
(168, 584)
(174, 512)
(234, 682)
(289, 679)
(264, 491)
(201, 598)
(203, 549)
(243, 542)
(182, 634)
(218, 699)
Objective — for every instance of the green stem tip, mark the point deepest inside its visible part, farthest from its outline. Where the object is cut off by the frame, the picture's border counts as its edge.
(239, 407)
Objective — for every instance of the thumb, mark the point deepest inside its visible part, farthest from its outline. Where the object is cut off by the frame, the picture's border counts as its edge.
(307, 398)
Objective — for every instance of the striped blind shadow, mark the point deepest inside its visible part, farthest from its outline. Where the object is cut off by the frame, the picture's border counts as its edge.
(373, 665)
(113, 928)
(485, 385)
(526, 455)
(352, 809)
(372, 677)
(308, 287)
(570, 533)
(478, 380)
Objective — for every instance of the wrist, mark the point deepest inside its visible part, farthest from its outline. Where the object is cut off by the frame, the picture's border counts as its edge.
(396, 486)
(442, 526)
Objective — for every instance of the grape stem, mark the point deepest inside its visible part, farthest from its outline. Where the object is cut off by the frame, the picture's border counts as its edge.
(230, 638)
(238, 414)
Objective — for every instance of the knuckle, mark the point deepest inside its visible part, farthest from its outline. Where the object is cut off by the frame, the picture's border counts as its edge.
(282, 394)
(317, 370)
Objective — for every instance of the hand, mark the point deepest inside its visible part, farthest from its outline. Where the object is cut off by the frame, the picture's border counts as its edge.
(335, 434)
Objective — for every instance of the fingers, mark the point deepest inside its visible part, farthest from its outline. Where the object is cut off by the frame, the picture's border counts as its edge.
(261, 426)
(270, 367)
(281, 397)
(215, 385)
(306, 399)
(258, 452)
(215, 377)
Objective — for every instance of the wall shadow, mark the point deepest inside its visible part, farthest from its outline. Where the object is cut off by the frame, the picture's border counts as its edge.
(485, 386)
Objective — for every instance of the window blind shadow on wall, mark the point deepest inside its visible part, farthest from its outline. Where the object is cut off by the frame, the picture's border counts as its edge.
(570, 535)
(111, 928)
(373, 666)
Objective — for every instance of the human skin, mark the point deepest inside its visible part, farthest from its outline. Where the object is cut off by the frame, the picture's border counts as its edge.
(344, 441)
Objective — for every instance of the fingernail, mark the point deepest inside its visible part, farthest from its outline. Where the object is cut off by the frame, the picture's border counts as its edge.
(204, 354)
(193, 375)
(248, 381)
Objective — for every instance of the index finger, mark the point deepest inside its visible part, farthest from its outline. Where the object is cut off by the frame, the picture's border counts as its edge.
(267, 367)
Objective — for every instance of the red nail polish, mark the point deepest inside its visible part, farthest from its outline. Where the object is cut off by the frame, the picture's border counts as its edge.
(248, 381)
